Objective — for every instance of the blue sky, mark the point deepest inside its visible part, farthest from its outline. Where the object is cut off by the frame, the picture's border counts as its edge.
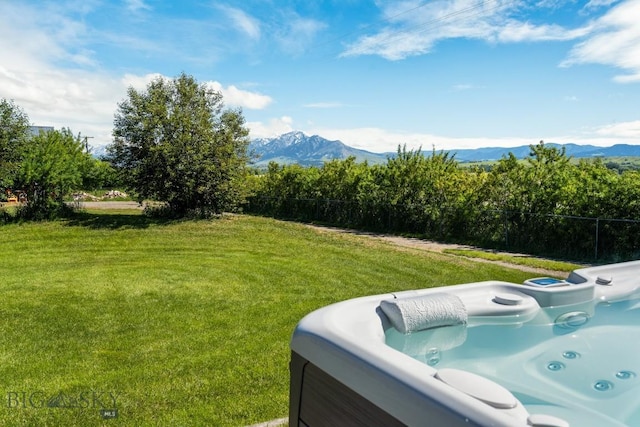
(374, 74)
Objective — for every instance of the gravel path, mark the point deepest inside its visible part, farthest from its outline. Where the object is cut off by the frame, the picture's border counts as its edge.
(429, 245)
(110, 205)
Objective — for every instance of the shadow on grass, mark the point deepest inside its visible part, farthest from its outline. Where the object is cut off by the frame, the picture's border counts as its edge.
(115, 220)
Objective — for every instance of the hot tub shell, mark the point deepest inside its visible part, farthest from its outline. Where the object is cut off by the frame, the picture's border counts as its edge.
(344, 374)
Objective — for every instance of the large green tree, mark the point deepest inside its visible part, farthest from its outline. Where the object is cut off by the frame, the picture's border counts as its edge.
(51, 166)
(14, 132)
(177, 144)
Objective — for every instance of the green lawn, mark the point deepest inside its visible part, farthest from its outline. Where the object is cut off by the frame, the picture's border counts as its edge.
(183, 323)
(528, 261)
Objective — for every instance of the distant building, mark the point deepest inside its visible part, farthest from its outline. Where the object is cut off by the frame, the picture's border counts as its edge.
(35, 130)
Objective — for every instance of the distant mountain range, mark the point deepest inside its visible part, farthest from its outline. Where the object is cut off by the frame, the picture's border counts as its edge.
(296, 147)
(573, 150)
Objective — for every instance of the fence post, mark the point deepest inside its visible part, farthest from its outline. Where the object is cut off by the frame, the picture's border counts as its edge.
(597, 237)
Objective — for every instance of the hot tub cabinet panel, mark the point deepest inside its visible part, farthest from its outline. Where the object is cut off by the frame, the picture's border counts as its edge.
(361, 362)
(318, 399)
(322, 401)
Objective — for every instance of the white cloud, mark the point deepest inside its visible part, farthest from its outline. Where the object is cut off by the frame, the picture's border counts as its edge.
(231, 94)
(137, 5)
(29, 37)
(391, 45)
(594, 4)
(46, 70)
(272, 128)
(241, 98)
(87, 101)
(140, 83)
(32, 42)
(84, 102)
(241, 20)
(463, 86)
(296, 32)
(626, 130)
(514, 31)
(416, 33)
(615, 41)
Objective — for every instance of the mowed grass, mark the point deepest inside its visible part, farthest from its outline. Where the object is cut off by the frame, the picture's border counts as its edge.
(529, 261)
(181, 323)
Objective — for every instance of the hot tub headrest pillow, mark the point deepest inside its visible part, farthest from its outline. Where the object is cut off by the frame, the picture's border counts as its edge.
(416, 313)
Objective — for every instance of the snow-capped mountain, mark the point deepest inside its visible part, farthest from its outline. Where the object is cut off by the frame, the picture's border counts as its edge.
(296, 147)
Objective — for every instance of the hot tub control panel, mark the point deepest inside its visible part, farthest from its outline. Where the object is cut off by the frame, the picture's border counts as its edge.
(546, 282)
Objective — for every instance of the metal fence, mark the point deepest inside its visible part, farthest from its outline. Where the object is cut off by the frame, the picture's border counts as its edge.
(563, 236)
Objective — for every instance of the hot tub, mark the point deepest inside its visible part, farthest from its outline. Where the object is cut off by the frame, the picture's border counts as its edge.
(547, 352)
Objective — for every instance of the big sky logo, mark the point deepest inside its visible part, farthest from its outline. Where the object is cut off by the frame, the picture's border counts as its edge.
(105, 401)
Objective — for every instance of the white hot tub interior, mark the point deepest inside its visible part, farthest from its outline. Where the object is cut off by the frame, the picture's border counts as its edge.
(547, 352)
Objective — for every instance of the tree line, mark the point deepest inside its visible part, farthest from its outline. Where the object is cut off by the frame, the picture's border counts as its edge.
(545, 204)
(41, 169)
(175, 142)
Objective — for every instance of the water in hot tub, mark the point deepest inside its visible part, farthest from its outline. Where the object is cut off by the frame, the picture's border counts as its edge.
(583, 368)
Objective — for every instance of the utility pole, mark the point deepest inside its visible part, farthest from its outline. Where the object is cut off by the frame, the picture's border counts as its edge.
(86, 143)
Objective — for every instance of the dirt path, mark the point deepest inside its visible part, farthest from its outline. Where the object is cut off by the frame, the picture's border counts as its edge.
(428, 245)
(110, 205)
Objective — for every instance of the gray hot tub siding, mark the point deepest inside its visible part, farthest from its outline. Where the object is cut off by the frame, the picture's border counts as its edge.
(319, 400)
